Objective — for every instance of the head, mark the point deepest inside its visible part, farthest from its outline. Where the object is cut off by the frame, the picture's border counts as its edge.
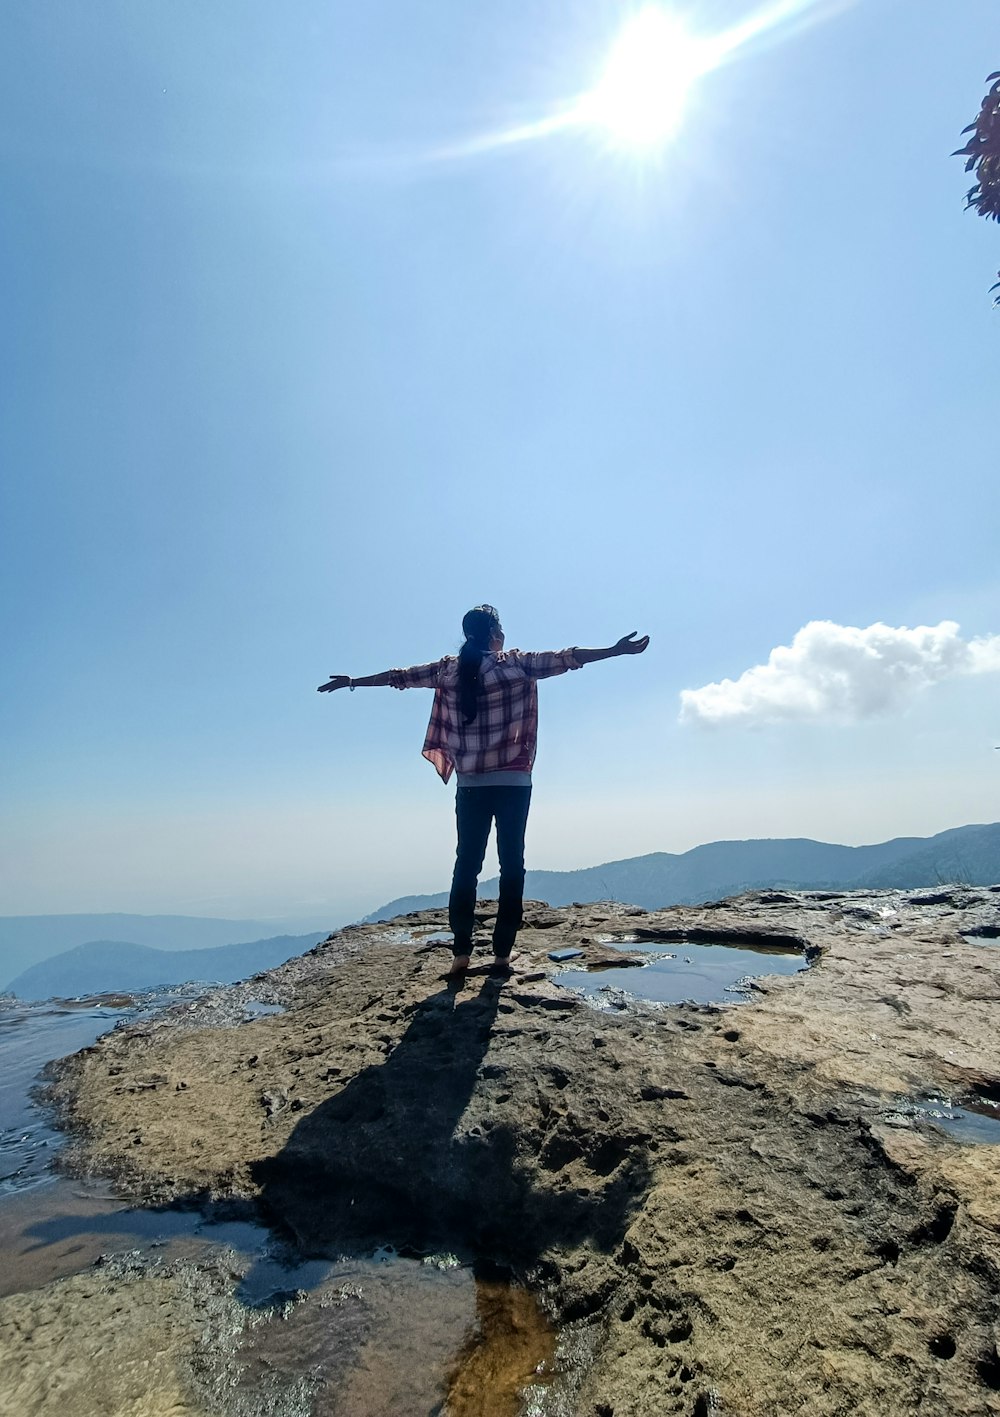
(482, 629)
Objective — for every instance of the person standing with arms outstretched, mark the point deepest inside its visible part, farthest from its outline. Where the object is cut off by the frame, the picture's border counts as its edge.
(484, 727)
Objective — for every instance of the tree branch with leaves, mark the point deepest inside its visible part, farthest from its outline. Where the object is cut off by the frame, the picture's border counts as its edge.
(982, 155)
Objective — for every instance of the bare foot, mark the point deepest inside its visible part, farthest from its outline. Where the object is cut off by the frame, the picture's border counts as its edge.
(459, 965)
(501, 965)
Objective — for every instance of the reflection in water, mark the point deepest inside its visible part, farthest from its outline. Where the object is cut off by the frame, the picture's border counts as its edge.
(973, 1120)
(365, 1336)
(513, 1344)
(61, 1227)
(256, 1008)
(378, 1338)
(371, 1335)
(698, 973)
(374, 1337)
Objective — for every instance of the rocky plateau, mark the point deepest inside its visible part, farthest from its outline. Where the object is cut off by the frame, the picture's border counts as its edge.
(743, 1209)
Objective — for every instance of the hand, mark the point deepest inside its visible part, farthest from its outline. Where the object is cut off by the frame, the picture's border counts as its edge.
(629, 644)
(336, 681)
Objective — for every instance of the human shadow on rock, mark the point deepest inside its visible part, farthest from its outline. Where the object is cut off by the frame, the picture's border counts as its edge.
(384, 1161)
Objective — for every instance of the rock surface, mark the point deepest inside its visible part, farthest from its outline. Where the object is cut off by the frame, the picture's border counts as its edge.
(122, 1339)
(729, 1210)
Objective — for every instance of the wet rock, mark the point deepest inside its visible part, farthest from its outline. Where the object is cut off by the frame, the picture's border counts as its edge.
(129, 1339)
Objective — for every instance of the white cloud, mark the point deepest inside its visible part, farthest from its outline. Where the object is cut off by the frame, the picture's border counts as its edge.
(842, 673)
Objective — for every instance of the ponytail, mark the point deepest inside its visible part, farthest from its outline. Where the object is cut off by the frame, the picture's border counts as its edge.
(479, 626)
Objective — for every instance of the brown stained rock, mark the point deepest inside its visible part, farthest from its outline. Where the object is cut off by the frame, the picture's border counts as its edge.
(729, 1201)
(510, 1342)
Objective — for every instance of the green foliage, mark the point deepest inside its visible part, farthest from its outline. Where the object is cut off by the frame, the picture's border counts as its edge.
(982, 155)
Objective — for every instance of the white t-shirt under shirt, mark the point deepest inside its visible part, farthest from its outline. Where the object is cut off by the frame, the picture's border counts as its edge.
(494, 779)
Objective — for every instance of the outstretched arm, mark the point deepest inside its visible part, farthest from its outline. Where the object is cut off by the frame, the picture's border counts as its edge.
(420, 676)
(628, 644)
(342, 681)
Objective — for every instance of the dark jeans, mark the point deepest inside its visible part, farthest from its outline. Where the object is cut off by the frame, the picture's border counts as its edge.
(475, 810)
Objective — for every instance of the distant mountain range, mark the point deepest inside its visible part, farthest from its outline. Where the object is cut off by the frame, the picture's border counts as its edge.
(45, 956)
(118, 966)
(27, 939)
(722, 868)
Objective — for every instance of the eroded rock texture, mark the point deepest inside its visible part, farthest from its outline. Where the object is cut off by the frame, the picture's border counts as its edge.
(733, 1205)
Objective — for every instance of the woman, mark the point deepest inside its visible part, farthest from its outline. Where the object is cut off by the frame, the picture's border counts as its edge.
(484, 726)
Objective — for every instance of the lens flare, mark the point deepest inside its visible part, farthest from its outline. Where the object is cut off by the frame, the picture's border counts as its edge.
(638, 102)
(640, 97)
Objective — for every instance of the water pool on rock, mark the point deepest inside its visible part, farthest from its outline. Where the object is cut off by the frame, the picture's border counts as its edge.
(968, 1120)
(687, 971)
(348, 1335)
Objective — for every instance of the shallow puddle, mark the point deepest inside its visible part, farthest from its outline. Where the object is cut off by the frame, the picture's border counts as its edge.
(684, 972)
(59, 1227)
(511, 1345)
(352, 1336)
(256, 1008)
(983, 935)
(972, 1120)
(403, 1337)
(51, 1227)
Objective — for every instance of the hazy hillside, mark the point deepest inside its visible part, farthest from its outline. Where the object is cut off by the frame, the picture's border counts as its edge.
(723, 868)
(967, 854)
(27, 939)
(116, 966)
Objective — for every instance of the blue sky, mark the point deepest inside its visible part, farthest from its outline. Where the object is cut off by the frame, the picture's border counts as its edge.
(285, 389)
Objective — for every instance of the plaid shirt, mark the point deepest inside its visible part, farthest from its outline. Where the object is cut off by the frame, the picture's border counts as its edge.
(504, 734)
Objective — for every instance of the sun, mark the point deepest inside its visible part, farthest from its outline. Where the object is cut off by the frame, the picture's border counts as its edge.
(639, 100)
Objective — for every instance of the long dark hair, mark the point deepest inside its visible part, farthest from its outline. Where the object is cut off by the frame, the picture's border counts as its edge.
(479, 626)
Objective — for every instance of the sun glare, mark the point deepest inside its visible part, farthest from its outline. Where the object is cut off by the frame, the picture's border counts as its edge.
(640, 97)
(638, 102)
